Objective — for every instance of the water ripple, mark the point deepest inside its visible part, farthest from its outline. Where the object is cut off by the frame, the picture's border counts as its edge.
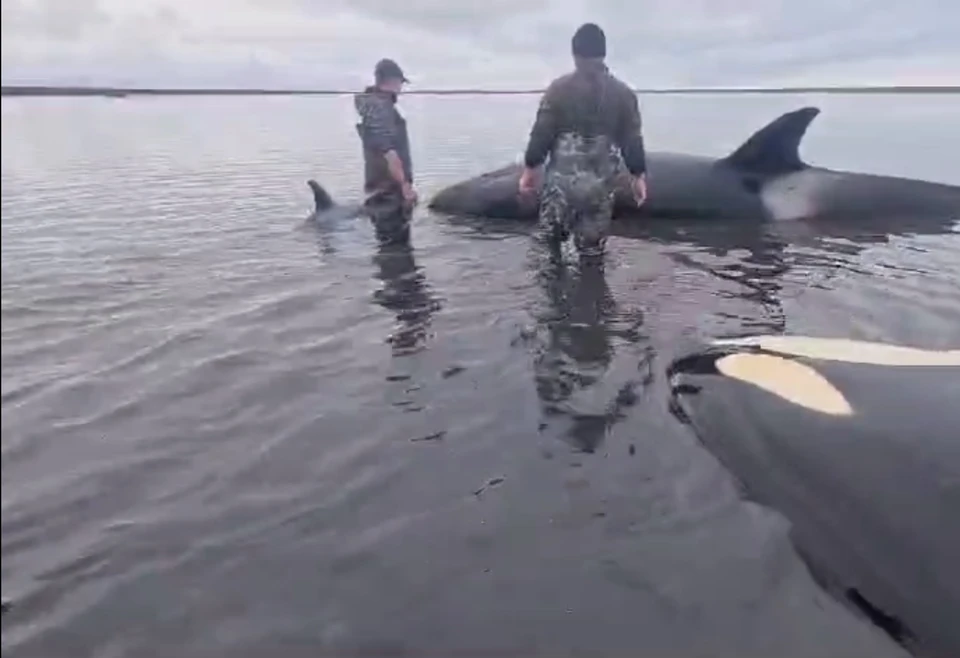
(226, 427)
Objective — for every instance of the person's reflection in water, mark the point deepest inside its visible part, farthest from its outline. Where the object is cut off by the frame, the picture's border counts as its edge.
(406, 293)
(577, 327)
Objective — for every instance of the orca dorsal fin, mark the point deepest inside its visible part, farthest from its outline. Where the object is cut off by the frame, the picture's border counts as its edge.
(322, 201)
(775, 148)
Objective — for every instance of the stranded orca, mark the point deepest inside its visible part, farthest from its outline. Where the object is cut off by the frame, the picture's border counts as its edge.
(858, 445)
(764, 179)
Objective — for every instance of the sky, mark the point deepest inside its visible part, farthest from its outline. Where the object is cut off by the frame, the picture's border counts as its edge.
(492, 44)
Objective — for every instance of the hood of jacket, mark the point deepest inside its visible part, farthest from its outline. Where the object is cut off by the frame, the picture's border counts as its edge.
(371, 95)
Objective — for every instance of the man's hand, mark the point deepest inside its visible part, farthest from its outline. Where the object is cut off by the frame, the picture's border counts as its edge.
(528, 181)
(409, 194)
(639, 186)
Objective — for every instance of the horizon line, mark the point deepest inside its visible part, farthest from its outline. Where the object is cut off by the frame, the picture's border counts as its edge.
(89, 90)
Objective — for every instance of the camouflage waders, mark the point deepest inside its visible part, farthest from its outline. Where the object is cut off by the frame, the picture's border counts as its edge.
(390, 214)
(578, 191)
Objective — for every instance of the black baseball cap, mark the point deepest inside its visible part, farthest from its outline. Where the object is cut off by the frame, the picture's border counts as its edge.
(387, 69)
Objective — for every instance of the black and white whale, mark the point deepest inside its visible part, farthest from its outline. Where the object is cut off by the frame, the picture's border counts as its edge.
(858, 445)
(764, 179)
(325, 208)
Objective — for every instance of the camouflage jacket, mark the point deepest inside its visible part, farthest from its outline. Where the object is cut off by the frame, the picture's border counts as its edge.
(589, 103)
(381, 129)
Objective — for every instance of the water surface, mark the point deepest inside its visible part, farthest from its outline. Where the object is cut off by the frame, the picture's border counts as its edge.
(228, 431)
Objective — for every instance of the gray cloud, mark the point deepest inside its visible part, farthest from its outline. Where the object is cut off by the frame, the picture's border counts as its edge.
(496, 43)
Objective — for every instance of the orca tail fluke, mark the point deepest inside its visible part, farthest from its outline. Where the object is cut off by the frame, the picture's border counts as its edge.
(321, 199)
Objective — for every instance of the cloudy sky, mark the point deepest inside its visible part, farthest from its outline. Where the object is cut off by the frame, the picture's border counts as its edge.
(483, 43)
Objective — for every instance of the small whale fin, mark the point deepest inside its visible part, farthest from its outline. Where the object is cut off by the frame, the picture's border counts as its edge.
(775, 148)
(321, 199)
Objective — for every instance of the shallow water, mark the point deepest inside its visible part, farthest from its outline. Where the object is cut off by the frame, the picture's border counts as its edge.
(227, 430)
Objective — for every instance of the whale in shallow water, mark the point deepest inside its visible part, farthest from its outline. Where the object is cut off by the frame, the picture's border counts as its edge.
(858, 445)
(325, 208)
(764, 179)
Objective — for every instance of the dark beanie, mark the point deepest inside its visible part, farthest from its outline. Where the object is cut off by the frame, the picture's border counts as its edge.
(589, 41)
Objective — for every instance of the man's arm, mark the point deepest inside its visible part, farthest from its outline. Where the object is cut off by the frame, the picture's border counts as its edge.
(382, 138)
(630, 136)
(395, 167)
(544, 130)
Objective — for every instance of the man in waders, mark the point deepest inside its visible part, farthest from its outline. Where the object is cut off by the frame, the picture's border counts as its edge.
(588, 123)
(388, 172)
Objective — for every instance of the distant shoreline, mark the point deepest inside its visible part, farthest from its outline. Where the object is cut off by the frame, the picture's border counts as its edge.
(115, 92)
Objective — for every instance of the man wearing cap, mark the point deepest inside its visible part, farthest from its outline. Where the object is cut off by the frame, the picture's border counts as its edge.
(388, 172)
(588, 123)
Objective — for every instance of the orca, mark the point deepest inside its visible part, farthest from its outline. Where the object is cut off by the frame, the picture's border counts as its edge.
(765, 179)
(857, 444)
(324, 207)
(322, 201)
